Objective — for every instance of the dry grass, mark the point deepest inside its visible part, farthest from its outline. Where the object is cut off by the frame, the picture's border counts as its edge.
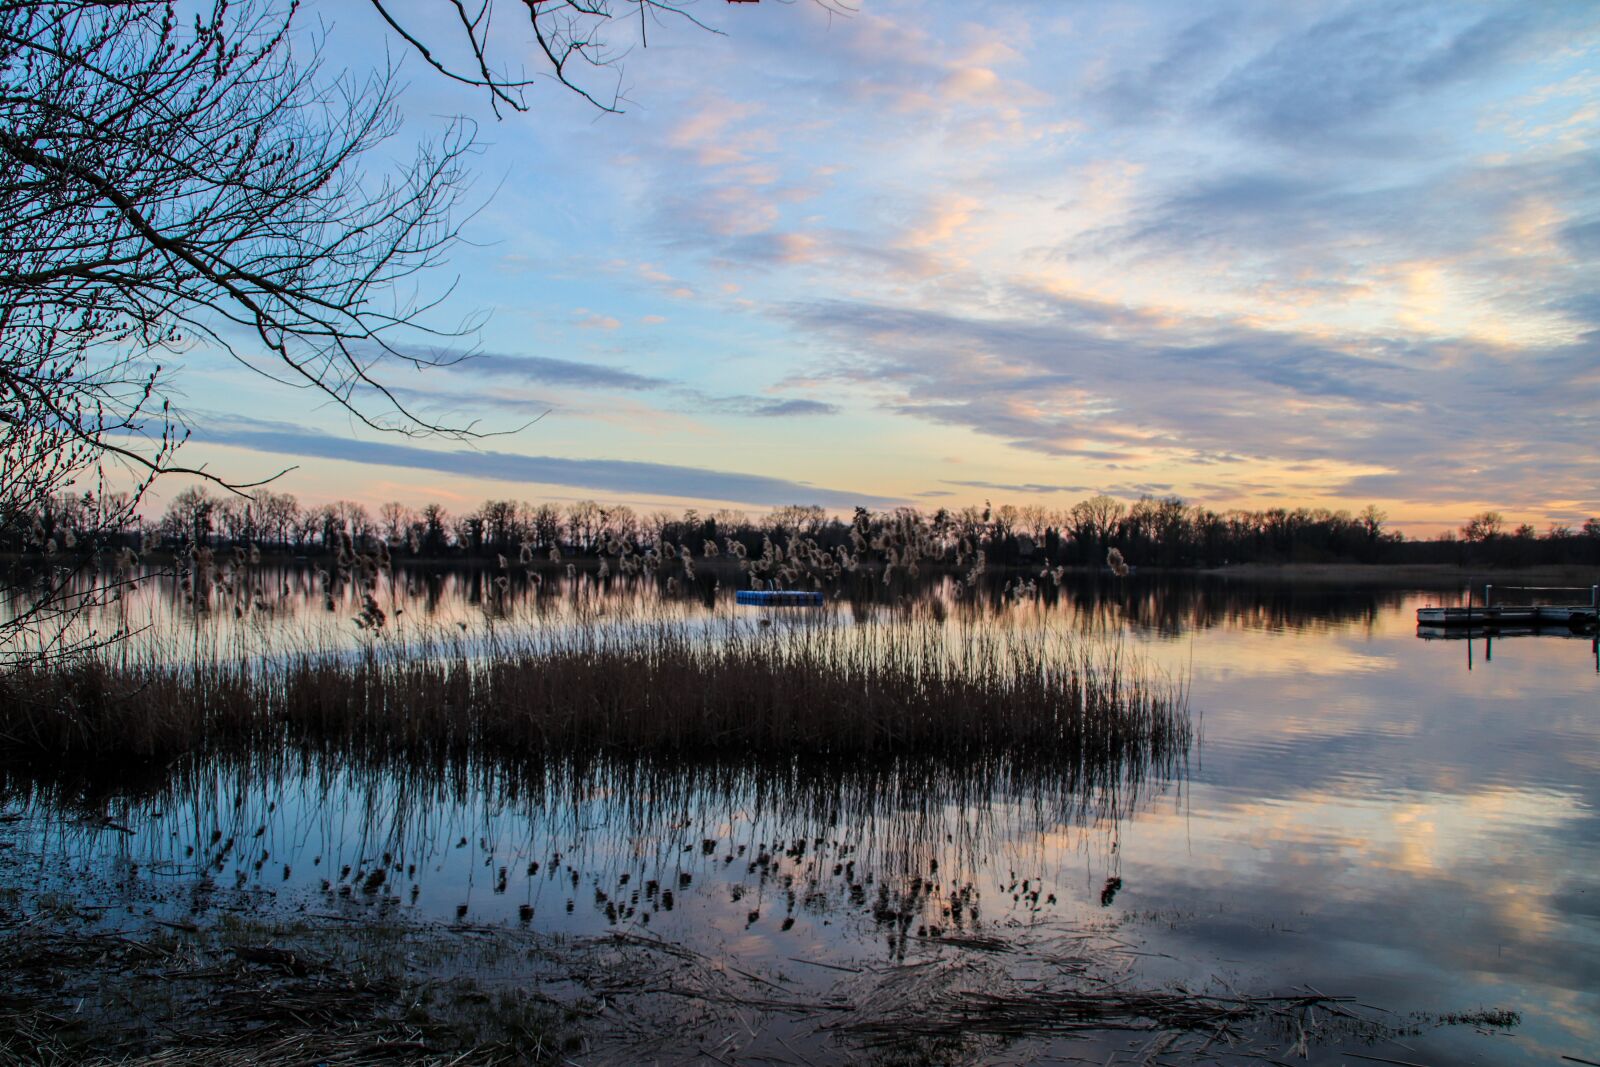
(663, 687)
(239, 992)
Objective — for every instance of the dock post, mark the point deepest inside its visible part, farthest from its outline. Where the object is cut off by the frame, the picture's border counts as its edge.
(1488, 595)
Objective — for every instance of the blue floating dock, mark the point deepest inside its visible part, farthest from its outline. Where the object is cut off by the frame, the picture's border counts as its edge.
(777, 597)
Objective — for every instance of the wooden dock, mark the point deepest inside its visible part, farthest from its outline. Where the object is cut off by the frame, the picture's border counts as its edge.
(1530, 617)
(1533, 617)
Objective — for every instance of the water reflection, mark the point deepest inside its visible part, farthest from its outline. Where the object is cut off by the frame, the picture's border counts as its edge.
(904, 849)
(276, 605)
(1363, 814)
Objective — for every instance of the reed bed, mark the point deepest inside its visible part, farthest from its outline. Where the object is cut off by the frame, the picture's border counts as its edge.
(671, 687)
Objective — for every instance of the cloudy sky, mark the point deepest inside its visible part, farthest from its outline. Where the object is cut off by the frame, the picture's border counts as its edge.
(1263, 255)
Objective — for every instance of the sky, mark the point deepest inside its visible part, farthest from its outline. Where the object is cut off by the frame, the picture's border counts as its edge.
(1254, 255)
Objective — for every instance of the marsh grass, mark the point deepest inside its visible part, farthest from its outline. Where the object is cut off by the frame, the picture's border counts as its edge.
(669, 687)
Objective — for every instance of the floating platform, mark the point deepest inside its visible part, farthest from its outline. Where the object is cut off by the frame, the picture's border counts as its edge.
(778, 597)
(1528, 618)
(1524, 615)
(1465, 633)
(1532, 617)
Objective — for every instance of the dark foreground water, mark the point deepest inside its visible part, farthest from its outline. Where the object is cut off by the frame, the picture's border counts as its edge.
(1409, 822)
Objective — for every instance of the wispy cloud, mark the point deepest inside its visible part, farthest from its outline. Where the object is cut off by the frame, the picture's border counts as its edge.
(769, 407)
(1400, 420)
(592, 475)
(461, 376)
(547, 370)
(1022, 487)
(1355, 64)
(593, 320)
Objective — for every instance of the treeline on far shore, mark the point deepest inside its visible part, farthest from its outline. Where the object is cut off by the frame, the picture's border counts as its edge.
(1150, 532)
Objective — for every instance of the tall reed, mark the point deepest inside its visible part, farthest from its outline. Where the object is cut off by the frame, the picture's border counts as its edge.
(668, 686)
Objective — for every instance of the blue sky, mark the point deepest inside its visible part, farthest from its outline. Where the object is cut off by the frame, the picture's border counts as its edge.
(1255, 255)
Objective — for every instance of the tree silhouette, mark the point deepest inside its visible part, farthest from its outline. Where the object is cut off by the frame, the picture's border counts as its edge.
(176, 176)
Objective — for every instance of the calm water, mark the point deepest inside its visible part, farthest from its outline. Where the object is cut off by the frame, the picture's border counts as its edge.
(1411, 822)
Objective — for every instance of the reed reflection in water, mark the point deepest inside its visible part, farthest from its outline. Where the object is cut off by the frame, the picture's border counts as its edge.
(796, 848)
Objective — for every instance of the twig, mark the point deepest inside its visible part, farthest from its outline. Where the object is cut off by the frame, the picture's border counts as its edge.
(829, 966)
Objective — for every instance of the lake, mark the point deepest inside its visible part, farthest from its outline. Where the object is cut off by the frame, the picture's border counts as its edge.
(1363, 813)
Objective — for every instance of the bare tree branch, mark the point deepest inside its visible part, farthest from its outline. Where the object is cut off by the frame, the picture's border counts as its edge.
(173, 174)
(573, 36)
(164, 183)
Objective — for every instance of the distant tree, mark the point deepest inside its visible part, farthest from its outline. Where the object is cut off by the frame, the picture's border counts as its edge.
(546, 525)
(1032, 520)
(623, 523)
(1372, 519)
(352, 517)
(308, 528)
(1094, 521)
(1003, 523)
(654, 525)
(188, 516)
(435, 536)
(394, 520)
(278, 516)
(1167, 525)
(235, 519)
(802, 519)
(328, 526)
(584, 519)
(469, 533)
(501, 530)
(1483, 527)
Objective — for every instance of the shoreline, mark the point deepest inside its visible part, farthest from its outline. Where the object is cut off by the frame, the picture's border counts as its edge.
(1579, 574)
(363, 979)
